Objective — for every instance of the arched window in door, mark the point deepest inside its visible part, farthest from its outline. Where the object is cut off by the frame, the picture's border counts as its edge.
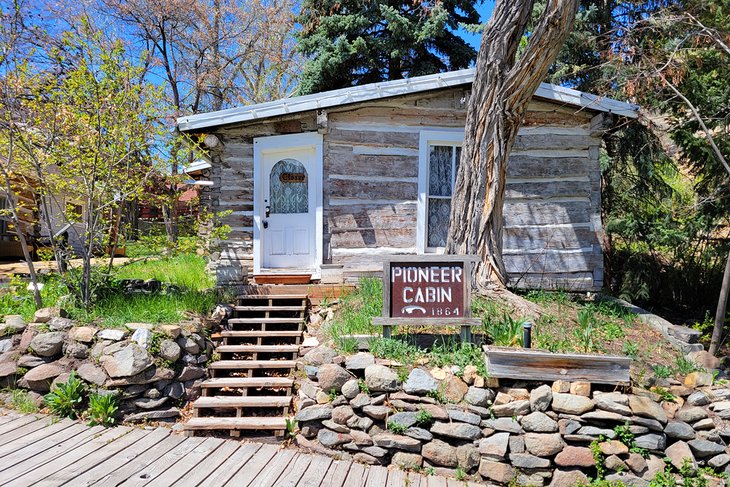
(288, 187)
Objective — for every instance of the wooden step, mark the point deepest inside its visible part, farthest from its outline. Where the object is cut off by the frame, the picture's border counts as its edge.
(248, 382)
(257, 348)
(243, 402)
(257, 423)
(257, 334)
(268, 308)
(264, 320)
(272, 296)
(253, 364)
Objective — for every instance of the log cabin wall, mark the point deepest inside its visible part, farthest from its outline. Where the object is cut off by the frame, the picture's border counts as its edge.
(552, 228)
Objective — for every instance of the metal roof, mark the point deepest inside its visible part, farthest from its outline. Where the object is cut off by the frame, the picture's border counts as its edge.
(376, 91)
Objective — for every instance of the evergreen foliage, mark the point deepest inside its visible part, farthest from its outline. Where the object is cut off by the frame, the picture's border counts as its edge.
(353, 43)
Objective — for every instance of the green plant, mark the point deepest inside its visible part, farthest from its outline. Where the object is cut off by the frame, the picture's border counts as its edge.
(584, 334)
(664, 394)
(21, 371)
(661, 371)
(332, 393)
(65, 398)
(631, 349)
(347, 345)
(395, 349)
(624, 435)
(291, 428)
(461, 354)
(599, 458)
(403, 373)
(356, 311)
(506, 332)
(21, 401)
(396, 428)
(363, 386)
(438, 394)
(685, 366)
(460, 474)
(102, 409)
(423, 417)
(612, 331)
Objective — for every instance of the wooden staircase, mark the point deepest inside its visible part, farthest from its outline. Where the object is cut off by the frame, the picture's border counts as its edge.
(250, 386)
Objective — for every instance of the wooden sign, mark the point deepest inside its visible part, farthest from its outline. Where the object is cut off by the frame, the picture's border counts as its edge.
(433, 286)
(292, 177)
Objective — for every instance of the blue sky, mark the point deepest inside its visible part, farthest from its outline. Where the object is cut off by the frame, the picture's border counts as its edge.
(485, 11)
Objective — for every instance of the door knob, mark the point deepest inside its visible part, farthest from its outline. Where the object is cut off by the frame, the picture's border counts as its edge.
(268, 211)
(266, 224)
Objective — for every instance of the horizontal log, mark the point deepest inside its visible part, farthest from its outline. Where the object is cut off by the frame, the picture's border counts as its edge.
(530, 166)
(373, 137)
(548, 237)
(395, 237)
(526, 364)
(577, 282)
(341, 160)
(557, 141)
(369, 216)
(551, 213)
(339, 188)
(547, 188)
(550, 261)
(403, 115)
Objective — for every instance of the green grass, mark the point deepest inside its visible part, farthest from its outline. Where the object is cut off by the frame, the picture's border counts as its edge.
(113, 308)
(356, 313)
(21, 401)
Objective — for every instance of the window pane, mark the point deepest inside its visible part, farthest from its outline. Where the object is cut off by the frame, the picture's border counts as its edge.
(439, 170)
(438, 221)
(288, 187)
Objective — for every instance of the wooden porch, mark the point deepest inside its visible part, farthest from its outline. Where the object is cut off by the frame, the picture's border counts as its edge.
(39, 450)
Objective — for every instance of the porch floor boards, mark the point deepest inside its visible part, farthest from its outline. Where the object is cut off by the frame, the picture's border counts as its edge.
(85, 456)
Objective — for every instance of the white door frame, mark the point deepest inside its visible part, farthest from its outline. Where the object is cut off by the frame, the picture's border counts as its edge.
(262, 145)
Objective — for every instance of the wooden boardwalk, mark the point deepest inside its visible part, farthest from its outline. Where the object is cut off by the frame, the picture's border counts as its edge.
(36, 450)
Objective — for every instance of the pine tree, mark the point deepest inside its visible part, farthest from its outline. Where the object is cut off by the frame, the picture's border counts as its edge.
(354, 42)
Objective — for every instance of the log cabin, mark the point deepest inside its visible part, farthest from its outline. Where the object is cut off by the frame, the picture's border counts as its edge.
(327, 185)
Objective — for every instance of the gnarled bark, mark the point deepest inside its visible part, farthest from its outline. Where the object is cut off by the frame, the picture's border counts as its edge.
(504, 83)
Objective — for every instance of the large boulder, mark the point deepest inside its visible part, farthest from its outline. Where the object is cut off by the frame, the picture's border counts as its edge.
(380, 378)
(647, 408)
(126, 361)
(39, 379)
(92, 373)
(541, 397)
(461, 431)
(571, 404)
(440, 453)
(539, 422)
(680, 452)
(44, 315)
(48, 344)
(332, 376)
(83, 334)
(420, 382)
(544, 445)
(319, 356)
(359, 361)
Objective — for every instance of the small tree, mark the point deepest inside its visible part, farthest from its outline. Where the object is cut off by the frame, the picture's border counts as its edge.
(89, 139)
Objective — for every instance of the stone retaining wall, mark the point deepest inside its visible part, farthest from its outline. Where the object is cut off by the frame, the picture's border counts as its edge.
(153, 369)
(451, 421)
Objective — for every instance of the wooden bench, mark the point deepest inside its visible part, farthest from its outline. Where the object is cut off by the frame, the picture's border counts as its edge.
(464, 323)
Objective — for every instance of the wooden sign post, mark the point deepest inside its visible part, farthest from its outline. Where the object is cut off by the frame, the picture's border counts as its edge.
(423, 290)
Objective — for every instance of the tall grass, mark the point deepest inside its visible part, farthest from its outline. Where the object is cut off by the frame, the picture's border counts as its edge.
(186, 271)
(357, 310)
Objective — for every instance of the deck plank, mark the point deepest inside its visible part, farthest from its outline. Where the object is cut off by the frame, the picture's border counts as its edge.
(435, 481)
(377, 476)
(76, 469)
(24, 430)
(118, 467)
(188, 462)
(253, 467)
(197, 475)
(396, 478)
(357, 476)
(17, 423)
(154, 469)
(293, 474)
(39, 454)
(89, 447)
(337, 473)
(52, 441)
(231, 465)
(274, 469)
(41, 434)
(314, 475)
(416, 480)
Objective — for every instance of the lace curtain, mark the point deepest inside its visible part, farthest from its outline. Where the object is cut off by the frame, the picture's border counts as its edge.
(287, 192)
(442, 167)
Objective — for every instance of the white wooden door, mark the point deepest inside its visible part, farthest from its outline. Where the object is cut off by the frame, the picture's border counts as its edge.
(288, 211)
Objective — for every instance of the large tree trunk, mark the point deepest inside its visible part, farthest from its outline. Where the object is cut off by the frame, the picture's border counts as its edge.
(503, 86)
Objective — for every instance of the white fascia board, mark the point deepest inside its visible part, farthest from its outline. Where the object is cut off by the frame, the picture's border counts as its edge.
(387, 89)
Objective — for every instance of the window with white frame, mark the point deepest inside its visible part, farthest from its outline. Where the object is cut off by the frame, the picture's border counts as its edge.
(439, 154)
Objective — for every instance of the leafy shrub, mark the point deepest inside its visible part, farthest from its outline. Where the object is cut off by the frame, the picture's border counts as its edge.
(685, 366)
(507, 332)
(396, 428)
(584, 334)
(102, 409)
(65, 398)
(423, 417)
(661, 371)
